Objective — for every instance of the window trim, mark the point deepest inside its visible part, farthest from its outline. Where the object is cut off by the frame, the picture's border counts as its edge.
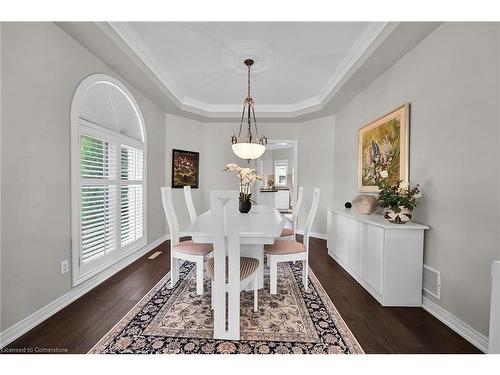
(79, 273)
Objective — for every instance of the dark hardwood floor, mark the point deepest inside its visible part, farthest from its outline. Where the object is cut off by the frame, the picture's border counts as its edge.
(76, 328)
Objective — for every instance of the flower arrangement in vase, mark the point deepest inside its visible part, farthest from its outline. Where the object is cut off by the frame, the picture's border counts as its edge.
(398, 199)
(247, 178)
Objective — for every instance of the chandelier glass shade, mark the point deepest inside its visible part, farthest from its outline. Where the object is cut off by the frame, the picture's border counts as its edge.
(248, 151)
(249, 148)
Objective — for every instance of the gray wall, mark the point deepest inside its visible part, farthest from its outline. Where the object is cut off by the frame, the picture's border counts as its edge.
(267, 165)
(41, 67)
(1, 117)
(283, 154)
(451, 80)
(185, 134)
(315, 160)
(270, 156)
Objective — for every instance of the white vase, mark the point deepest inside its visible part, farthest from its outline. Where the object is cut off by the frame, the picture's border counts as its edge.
(402, 217)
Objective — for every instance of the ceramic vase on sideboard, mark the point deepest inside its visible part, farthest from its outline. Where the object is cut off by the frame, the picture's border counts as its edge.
(402, 217)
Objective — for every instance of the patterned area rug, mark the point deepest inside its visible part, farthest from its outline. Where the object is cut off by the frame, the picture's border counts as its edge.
(179, 321)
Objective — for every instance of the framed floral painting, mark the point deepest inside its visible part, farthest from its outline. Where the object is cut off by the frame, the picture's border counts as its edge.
(185, 169)
(383, 145)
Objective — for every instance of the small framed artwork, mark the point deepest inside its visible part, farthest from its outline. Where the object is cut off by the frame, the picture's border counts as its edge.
(383, 145)
(185, 169)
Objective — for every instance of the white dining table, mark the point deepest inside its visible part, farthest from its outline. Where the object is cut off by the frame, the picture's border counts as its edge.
(261, 226)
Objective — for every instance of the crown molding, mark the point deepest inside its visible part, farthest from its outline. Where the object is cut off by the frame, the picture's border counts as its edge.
(379, 48)
(373, 35)
(137, 46)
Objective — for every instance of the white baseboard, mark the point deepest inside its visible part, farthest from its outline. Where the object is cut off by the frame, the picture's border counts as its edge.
(475, 337)
(321, 236)
(17, 330)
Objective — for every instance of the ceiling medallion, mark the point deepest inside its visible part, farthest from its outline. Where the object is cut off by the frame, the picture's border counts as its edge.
(249, 149)
(238, 51)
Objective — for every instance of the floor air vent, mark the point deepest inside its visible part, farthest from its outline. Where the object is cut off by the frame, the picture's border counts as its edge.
(154, 255)
(432, 281)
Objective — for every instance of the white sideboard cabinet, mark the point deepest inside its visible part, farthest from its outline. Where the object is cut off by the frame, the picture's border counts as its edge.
(385, 258)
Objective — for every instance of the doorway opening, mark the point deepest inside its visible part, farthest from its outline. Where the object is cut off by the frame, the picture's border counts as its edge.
(278, 169)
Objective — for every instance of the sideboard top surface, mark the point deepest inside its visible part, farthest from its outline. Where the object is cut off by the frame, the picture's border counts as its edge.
(378, 220)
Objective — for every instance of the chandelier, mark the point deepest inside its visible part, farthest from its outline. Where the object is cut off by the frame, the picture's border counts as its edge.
(250, 148)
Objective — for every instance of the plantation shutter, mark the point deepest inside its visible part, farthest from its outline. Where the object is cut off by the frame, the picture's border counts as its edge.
(97, 198)
(131, 194)
(108, 184)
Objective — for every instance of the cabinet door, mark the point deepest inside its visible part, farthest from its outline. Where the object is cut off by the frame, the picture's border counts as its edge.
(372, 257)
(329, 230)
(339, 236)
(282, 199)
(354, 242)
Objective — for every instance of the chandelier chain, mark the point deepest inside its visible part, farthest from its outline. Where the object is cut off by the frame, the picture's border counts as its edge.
(257, 144)
(248, 81)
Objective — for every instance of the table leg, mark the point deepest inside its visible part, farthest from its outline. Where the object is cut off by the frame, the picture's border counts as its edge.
(255, 251)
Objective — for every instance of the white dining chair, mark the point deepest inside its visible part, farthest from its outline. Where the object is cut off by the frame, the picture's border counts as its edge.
(290, 233)
(287, 251)
(230, 273)
(189, 203)
(185, 250)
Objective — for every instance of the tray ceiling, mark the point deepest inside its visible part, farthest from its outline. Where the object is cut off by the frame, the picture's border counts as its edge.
(297, 64)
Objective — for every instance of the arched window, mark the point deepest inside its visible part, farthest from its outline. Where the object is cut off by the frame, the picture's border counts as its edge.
(108, 175)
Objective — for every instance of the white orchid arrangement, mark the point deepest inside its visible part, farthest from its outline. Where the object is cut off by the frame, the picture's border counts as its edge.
(247, 178)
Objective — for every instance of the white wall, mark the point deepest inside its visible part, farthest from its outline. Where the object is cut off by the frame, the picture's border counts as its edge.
(452, 81)
(41, 68)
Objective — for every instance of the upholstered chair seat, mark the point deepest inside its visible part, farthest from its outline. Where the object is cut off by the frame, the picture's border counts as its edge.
(287, 232)
(289, 250)
(247, 267)
(281, 247)
(186, 250)
(189, 247)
